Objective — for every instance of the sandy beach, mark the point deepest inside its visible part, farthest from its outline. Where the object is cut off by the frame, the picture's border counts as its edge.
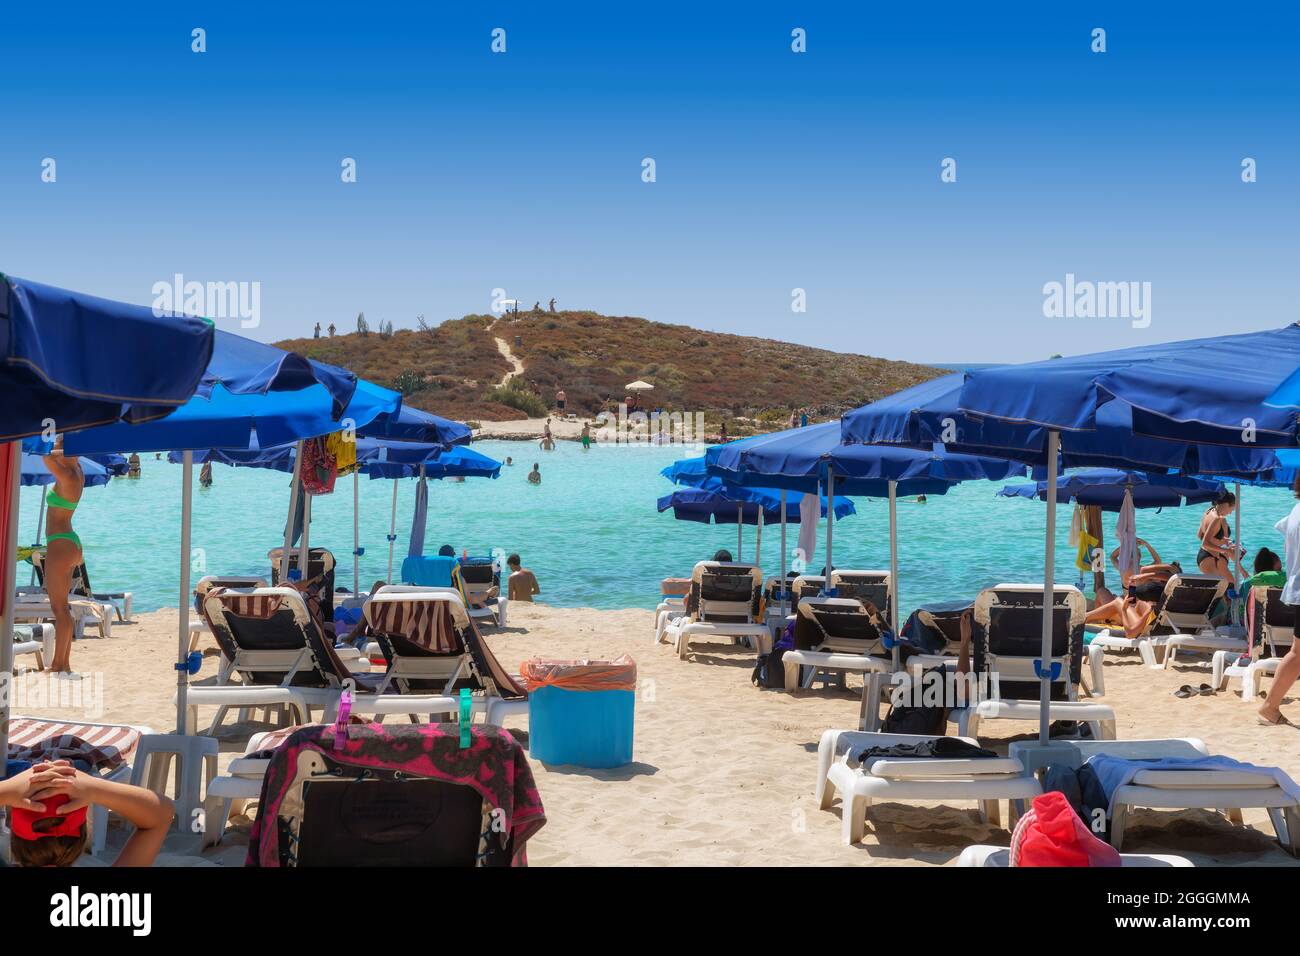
(723, 772)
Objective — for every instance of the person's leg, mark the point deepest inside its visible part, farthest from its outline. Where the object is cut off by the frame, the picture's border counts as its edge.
(1112, 610)
(1288, 669)
(1136, 615)
(61, 557)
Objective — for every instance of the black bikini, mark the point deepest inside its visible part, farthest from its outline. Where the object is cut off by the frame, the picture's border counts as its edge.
(1202, 554)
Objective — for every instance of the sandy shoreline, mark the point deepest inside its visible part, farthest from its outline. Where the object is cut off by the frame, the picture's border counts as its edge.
(723, 772)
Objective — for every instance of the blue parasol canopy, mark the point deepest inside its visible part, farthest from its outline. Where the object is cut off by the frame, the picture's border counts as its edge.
(416, 425)
(1232, 390)
(34, 472)
(1105, 488)
(83, 361)
(930, 412)
(715, 500)
(379, 459)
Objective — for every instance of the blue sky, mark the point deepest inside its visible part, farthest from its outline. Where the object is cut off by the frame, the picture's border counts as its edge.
(775, 170)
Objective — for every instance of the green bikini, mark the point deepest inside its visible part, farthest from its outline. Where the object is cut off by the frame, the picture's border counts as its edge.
(56, 500)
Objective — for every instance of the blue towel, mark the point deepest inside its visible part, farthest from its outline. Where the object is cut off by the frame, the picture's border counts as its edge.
(1115, 772)
(429, 571)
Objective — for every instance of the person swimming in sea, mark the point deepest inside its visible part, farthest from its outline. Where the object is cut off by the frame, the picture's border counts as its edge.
(63, 549)
(205, 475)
(535, 476)
(133, 466)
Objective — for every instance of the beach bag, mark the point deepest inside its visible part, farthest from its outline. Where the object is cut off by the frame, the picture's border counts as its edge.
(927, 719)
(769, 672)
(1051, 834)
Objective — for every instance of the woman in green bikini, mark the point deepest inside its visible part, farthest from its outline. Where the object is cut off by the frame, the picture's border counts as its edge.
(63, 549)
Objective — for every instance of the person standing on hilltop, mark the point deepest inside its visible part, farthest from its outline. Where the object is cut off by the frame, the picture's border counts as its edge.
(551, 307)
(317, 335)
(331, 330)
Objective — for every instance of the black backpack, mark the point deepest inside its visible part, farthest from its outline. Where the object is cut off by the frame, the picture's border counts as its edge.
(769, 672)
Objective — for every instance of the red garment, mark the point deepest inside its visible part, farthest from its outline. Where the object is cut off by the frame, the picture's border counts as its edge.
(319, 469)
(1051, 834)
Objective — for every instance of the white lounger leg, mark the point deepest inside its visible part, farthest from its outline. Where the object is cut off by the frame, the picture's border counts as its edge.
(853, 823)
(825, 792)
(1118, 817)
(1095, 654)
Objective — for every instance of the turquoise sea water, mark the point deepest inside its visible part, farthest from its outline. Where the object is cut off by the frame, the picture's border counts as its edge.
(590, 531)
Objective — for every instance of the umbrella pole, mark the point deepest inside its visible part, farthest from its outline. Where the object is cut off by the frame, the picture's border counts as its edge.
(304, 549)
(183, 627)
(740, 532)
(830, 526)
(893, 568)
(392, 534)
(1049, 590)
(8, 580)
(783, 557)
(40, 526)
(293, 508)
(1236, 531)
(356, 534)
(758, 544)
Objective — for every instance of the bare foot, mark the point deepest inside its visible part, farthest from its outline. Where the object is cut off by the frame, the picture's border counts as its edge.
(1271, 716)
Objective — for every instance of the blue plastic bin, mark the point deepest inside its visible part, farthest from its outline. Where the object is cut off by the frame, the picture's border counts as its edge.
(581, 712)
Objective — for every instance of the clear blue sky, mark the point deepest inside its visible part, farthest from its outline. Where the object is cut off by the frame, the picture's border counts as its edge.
(775, 170)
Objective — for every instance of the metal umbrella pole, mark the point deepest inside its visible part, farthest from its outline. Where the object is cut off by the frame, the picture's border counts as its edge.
(740, 531)
(8, 579)
(356, 532)
(830, 526)
(1049, 591)
(758, 544)
(783, 556)
(293, 507)
(893, 569)
(392, 534)
(183, 627)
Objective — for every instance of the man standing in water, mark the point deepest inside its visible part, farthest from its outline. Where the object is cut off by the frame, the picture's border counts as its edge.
(205, 475)
(63, 548)
(535, 476)
(586, 436)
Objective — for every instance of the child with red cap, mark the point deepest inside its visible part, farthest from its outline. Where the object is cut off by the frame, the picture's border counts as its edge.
(47, 815)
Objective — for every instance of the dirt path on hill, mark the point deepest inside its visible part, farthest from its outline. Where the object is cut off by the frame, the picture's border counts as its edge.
(504, 348)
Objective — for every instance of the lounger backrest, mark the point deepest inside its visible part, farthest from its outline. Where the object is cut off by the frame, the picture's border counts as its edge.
(319, 577)
(1189, 599)
(1273, 623)
(870, 587)
(80, 576)
(486, 671)
(262, 636)
(946, 624)
(725, 592)
(807, 586)
(423, 636)
(334, 812)
(845, 625)
(228, 582)
(1008, 627)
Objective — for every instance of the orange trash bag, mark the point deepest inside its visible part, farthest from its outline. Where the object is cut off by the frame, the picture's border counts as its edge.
(618, 674)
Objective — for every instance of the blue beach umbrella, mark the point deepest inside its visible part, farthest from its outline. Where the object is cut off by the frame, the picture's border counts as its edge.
(416, 425)
(1231, 390)
(81, 361)
(34, 472)
(805, 459)
(1106, 488)
(251, 395)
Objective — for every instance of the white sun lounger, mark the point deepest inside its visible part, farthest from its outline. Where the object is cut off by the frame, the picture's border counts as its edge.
(1008, 618)
(1227, 790)
(1185, 607)
(33, 606)
(1274, 629)
(725, 602)
(983, 780)
(840, 638)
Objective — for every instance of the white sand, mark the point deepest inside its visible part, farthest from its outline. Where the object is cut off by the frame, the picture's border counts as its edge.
(724, 772)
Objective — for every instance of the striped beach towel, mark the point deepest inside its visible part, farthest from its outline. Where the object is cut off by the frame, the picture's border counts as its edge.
(105, 747)
(426, 624)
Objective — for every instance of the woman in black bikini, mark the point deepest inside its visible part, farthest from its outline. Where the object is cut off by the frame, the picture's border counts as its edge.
(1218, 550)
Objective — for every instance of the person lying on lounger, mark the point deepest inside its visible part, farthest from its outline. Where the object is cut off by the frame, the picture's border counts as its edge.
(1136, 609)
(47, 815)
